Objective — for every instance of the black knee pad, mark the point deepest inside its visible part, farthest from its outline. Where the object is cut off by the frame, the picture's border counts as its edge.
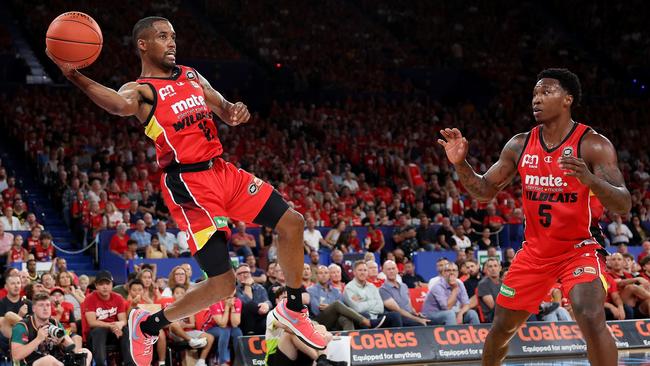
(214, 258)
(272, 211)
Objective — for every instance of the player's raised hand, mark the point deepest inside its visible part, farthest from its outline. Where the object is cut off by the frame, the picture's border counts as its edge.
(455, 145)
(238, 114)
(66, 68)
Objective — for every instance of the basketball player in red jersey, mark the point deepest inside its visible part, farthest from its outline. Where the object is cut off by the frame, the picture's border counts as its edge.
(175, 105)
(559, 162)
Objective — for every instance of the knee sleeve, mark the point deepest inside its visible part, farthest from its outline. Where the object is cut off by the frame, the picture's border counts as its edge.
(213, 257)
(272, 211)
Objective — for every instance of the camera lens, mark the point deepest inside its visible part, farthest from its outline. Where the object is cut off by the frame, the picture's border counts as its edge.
(55, 331)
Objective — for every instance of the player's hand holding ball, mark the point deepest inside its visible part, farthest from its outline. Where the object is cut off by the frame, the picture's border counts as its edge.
(74, 41)
(237, 114)
(456, 146)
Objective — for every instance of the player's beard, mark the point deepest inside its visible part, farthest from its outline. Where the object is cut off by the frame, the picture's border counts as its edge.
(167, 64)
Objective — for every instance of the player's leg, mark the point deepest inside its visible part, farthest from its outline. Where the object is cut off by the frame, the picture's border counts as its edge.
(587, 302)
(504, 326)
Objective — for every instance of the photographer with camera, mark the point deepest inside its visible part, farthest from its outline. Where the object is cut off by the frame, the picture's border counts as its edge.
(40, 340)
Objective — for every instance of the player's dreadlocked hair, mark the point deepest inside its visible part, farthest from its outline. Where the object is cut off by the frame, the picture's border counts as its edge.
(142, 25)
(568, 81)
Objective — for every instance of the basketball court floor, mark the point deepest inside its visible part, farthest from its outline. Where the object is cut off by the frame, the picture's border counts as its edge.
(626, 358)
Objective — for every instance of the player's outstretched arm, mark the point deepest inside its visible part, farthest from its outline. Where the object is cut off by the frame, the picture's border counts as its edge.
(126, 102)
(231, 114)
(483, 187)
(606, 181)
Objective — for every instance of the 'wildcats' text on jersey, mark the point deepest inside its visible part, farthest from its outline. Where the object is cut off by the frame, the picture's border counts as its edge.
(556, 206)
(180, 122)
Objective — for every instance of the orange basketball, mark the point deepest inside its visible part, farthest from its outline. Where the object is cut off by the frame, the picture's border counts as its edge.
(74, 38)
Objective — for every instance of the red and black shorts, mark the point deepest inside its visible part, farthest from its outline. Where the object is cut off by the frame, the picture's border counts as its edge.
(202, 197)
(529, 278)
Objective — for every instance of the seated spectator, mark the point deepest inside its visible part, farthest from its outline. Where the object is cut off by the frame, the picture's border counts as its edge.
(242, 243)
(373, 273)
(337, 258)
(645, 246)
(112, 217)
(17, 254)
(461, 241)
(255, 302)
(618, 231)
(151, 293)
(445, 235)
(31, 270)
(226, 315)
(493, 221)
(312, 237)
(440, 266)
(13, 308)
(395, 296)
(448, 299)
(71, 293)
(488, 288)
(183, 247)
(615, 309)
(332, 237)
(9, 221)
(326, 305)
(280, 281)
(31, 222)
(155, 250)
(34, 239)
(426, 234)
(335, 277)
(509, 257)
(634, 290)
(374, 241)
(630, 265)
(185, 329)
(44, 252)
(105, 314)
(119, 241)
(404, 237)
(258, 274)
(63, 312)
(47, 279)
(177, 277)
(131, 250)
(314, 262)
(410, 278)
(6, 241)
(306, 276)
(167, 240)
(141, 236)
(136, 299)
(364, 298)
(471, 282)
(645, 268)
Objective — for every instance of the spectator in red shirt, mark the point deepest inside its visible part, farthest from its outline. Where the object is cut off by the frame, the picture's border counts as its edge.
(226, 317)
(34, 239)
(44, 252)
(119, 241)
(17, 254)
(63, 312)
(6, 240)
(492, 220)
(105, 318)
(373, 272)
(646, 250)
(645, 268)
(242, 242)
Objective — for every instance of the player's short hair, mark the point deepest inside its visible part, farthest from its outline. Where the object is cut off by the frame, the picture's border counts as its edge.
(142, 25)
(568, 81)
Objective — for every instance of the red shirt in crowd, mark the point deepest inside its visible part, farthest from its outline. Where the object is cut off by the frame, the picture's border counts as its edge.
(42, 254)
(378, 282)
(220, 308)
(16, 255)
(119, 244)
(32, 242)
(67, 315)
(105, 310)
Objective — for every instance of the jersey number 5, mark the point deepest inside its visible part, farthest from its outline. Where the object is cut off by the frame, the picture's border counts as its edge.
(545, 214)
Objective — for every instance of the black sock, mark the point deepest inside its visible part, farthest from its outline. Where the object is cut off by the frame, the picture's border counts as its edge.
(294, 298)
(154, 324)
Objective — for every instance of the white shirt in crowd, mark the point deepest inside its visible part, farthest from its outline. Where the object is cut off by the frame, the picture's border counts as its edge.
(181, 238)
(462, 243)
(10, 223)
(625, 233)
(312, 238)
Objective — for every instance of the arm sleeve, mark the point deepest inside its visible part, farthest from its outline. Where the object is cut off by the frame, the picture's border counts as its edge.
(483, 289)
(438, 294)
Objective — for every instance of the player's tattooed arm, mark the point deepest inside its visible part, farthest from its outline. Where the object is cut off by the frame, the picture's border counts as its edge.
(485, 187)
(232, 114)
(606, 181)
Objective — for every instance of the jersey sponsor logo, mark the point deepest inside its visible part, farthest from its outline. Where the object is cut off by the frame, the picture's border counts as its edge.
(590, 270)
(530, 160)
(220, 221)
(567, 151)
(191, 102)
(103, 314)
(166, 91)
(552, 197)
(578, 272)
(507, 291)
(549, 181)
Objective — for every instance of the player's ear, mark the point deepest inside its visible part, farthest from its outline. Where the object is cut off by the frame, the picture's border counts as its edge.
(568, 100)
(142, 44)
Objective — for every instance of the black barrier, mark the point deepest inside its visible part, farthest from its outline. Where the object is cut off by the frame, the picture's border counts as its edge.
(463, 342)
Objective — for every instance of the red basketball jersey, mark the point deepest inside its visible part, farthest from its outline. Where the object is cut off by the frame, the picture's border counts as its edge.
(556, 206)
(180, 122)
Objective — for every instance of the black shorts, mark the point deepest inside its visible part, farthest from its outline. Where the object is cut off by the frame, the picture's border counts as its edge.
(280, 359)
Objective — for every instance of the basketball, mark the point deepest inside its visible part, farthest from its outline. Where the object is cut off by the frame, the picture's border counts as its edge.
(74, 38)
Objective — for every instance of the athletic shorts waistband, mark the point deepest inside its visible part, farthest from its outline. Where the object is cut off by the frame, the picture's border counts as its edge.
(187, 168)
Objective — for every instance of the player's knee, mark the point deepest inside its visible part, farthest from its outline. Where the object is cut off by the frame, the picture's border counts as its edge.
(221, 286)
(291, 222)
(589, 311)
